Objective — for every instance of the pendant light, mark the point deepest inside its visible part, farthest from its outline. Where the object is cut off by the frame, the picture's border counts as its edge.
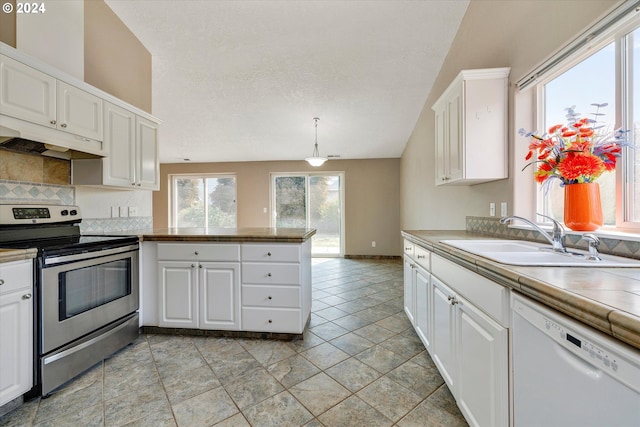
(316, 160)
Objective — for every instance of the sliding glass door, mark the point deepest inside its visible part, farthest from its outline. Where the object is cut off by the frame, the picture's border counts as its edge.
(311, 201)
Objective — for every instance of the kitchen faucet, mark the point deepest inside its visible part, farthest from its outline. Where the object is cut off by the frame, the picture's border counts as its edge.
(557, 238)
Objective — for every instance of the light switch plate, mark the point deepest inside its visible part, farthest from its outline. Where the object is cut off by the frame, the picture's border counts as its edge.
(114, 212)
(492, 209)
(133, 211)
(503, 209)
(124, 212)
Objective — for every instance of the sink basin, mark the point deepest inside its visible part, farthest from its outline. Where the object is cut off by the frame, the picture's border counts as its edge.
(519, 252)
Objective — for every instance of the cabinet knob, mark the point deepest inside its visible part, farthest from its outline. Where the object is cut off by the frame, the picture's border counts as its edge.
(53, 122)
(133, 184)
(193, 265)
(139, 185)
(26, 296)
(199, 265)
(269, 297)
(1, 281)
(196, 252)
(64, 125)
(268, 274)
(268, 253)
(270, 321)
(449, 298)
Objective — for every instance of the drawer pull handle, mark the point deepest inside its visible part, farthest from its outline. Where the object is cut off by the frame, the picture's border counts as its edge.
(269, 274)
(196, 252)
(270, 321)
(421, 256)
(407, 249)
(26, 296)
(268, 253)
(1, 281)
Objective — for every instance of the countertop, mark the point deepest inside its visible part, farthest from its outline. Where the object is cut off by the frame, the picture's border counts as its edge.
(607, 299)
(7, 255)
(247, 234)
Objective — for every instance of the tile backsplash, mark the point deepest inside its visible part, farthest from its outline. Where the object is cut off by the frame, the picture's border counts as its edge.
(608, 245)
(29, 192)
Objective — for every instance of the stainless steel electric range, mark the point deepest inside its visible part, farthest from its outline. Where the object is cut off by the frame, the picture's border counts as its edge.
(86, 287)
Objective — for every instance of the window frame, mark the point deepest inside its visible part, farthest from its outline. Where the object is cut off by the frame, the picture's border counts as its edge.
(173, 215)
(617, 35)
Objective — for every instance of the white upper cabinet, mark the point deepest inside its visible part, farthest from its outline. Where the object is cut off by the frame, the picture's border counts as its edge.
(131, 142)
(29, 95)
(471, 128)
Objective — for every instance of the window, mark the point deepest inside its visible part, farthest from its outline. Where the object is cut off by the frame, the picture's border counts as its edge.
(203, 201)
(607, 72)
(311, 201)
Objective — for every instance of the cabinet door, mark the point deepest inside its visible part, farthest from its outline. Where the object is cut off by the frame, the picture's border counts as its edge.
(441, 163)
(409, 289)
(423, 311)
(79, 112)
(26, 93)
(147, 169)
(483, 368)
(120, 144)
(16, 336)
(219, 295)
(443, 329)
(178, 294)
(454, 143)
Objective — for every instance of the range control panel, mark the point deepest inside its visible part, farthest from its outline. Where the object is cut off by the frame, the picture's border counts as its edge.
(38, 214)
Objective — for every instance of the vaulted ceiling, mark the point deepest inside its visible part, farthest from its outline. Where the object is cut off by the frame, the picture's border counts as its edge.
(243, 80)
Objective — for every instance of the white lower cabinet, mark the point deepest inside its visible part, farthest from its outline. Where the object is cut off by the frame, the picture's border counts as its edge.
(462, 318)
(257, 287)
(197, 293)
(16, 329)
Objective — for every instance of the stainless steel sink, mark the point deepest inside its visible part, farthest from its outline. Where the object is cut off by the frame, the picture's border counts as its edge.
(520, 252)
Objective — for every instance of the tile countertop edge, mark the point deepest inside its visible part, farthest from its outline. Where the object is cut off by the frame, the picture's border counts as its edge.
(618, 323)
(8, 255)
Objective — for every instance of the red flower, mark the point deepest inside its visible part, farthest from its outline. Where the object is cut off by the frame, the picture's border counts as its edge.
(578, 166)
(543, 172)
(553, 129)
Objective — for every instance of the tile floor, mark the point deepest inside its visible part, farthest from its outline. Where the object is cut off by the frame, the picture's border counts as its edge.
(359, 364)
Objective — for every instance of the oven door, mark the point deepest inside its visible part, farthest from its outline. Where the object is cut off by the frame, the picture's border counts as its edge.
(83, 292)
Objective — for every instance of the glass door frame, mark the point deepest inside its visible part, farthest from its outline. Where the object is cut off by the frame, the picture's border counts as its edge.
(306, 175)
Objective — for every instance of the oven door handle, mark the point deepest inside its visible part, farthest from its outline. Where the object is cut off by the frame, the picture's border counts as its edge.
(90, 255)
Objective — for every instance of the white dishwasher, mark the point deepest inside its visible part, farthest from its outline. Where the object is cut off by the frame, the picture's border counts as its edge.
(568, 374)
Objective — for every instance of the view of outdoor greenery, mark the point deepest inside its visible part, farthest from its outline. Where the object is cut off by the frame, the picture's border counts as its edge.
(320, 210)
(194, 209)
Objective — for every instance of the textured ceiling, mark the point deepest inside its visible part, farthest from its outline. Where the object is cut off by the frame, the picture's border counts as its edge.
(243, 80)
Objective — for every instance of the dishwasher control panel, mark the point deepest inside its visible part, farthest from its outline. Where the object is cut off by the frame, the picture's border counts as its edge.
(599, 350)
(597, 355)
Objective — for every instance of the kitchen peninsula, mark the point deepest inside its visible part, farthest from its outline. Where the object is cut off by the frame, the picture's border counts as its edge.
(230, 282)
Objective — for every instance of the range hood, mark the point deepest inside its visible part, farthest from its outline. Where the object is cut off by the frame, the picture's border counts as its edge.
(24, 137)
(21, 145)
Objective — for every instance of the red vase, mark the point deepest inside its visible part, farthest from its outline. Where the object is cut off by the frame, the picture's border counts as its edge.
(582, 206)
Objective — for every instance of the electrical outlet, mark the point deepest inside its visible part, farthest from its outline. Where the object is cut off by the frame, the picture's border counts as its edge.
(114, 212)
(133, 211)
(124, 212)
(373, 244)
(492, 209)
(264, 210)
(503, 209)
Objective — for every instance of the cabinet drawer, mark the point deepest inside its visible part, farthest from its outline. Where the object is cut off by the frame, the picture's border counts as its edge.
(16, 275)
(409, 248)
(271, 252)
(272, 320)
(421, 256)
(490, 297)
(271, 296)
(270, 273)
(198, 252)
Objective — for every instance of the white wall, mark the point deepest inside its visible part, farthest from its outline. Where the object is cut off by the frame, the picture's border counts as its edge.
(97, 202)
(55, 36)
